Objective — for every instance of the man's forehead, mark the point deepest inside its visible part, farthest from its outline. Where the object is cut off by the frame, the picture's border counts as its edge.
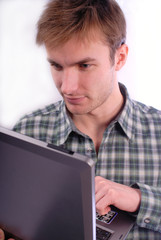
(74, 52)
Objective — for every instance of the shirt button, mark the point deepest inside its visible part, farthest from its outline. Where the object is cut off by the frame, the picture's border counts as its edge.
(89, 149)
(147, 220)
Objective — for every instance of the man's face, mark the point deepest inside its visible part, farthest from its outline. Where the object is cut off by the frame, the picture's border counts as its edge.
(84, 75)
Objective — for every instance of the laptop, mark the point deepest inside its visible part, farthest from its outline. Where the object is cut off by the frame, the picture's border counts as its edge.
(48, 192)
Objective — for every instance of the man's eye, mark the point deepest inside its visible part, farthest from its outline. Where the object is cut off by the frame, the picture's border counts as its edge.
(84, 66)
(56, 66)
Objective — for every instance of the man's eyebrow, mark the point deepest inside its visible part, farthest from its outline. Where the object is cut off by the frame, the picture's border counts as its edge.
(88, 59)
(52, 61)
(84, 60)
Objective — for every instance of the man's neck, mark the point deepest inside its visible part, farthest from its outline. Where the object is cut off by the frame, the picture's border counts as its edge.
(94, 123)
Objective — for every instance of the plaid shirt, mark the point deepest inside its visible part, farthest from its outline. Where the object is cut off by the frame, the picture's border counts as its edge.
(130, 153)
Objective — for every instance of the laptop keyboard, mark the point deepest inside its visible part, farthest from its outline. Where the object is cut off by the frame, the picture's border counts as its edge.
(107, 218)
(102, 234)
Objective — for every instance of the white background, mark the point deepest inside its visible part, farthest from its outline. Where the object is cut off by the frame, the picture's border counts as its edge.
(25, 80)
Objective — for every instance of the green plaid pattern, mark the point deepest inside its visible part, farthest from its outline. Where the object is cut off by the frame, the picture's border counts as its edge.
(130, 153)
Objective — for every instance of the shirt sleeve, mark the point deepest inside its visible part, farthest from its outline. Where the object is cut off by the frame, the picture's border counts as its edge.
(149, 214)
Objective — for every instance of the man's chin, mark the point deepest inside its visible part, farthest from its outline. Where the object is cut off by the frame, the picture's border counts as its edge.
(75, 110)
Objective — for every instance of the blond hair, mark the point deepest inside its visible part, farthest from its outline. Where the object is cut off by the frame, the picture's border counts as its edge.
(63, 19)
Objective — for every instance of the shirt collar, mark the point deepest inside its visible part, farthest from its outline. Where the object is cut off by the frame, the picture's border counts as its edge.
(126, 117)
(65, 127)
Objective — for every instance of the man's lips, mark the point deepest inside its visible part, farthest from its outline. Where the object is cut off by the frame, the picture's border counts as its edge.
(74, 99)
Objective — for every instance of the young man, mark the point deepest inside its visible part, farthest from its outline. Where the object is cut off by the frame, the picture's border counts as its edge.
(85, 44)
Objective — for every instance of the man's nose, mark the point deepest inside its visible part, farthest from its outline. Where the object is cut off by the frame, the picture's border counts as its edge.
(69, 82)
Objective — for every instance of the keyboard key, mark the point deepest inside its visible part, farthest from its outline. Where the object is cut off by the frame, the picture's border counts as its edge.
(107, 218)
(102, 234)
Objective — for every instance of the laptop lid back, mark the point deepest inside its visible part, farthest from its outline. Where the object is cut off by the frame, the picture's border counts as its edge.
(46, 193)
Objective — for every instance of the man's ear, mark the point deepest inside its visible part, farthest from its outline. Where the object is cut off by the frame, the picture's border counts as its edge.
(121, 56)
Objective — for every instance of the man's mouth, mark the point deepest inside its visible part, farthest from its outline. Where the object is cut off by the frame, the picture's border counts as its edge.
(74, 99)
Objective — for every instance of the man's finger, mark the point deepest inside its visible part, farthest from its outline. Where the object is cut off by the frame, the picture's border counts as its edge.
(2, 237)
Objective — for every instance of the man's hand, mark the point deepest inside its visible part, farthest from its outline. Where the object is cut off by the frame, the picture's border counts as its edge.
(110, 193)
(2, 237)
